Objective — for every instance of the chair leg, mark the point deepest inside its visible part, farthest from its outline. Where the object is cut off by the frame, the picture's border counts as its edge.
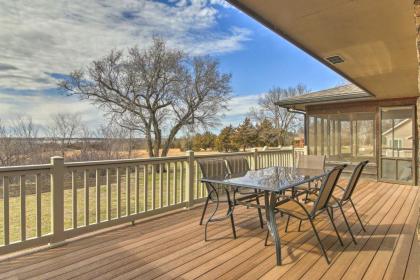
(204, 210)
(347, 224)
(335, 228)
(287, 223)
(319, 241)
(259, 210)
(266, 237)
(307, 193)
(357, 215)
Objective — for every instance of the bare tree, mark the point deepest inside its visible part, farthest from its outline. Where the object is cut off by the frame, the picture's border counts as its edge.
(157, 91)
(25, 134)
(112, 145)
(282, 119)
(63, 128)
(8, 151)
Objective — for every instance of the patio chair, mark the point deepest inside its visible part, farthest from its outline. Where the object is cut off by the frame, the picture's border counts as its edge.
(293, 208)
(239, 166)
(346, 198)
(216, 193)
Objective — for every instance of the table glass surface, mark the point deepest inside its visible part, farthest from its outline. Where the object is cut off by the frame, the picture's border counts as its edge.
(274, 179)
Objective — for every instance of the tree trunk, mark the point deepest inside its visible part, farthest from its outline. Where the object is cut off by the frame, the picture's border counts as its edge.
(149, 143)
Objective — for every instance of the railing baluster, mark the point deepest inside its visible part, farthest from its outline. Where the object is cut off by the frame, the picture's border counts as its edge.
(175, 194)
(108, 195)
(6, 218)
(136, 179)
(168, 190)
(145, 187)
(196, 182)
(98, 197)
(74, 199)
(118, 192)
(153, 187)
(22, 183)
(38, 191)
(182, 181)
(127, 191)
(160, 185)
(86, 187)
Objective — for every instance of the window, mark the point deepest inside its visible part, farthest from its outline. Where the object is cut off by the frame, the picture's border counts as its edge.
(343, 137)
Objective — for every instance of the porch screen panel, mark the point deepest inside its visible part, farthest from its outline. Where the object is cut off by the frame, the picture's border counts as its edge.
(312, 138)
(343, 137)
(365, 135)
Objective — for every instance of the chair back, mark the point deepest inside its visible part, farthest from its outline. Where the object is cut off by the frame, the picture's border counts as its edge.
(327, 188)
(311, 161)
(237, 165)
(354, 179)
(213, 168)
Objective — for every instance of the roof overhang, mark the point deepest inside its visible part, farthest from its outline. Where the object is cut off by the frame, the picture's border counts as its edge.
(376, 39)
(339, 94)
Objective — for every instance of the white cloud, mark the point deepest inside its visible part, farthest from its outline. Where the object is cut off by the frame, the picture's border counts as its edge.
(40, 37)
(40, 108)
(239, 108)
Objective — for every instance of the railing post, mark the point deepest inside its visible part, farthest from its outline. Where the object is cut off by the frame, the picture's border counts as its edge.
(305, 150)
(190, 181)
(57, 204)
(255, 156)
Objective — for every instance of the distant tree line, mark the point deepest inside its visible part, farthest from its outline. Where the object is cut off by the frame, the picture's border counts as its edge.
(239, 138)
(24, 142)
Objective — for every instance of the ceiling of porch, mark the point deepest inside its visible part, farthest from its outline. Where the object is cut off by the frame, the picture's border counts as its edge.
(376, 39)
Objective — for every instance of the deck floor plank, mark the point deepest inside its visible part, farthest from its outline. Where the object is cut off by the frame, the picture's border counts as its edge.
(339, 266)
(312, 255)
(312, 260)
(172, 246)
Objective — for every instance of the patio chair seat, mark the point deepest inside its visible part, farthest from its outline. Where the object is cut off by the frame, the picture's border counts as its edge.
(294, 209)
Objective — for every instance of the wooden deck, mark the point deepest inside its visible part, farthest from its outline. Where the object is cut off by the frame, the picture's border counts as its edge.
(172, 247)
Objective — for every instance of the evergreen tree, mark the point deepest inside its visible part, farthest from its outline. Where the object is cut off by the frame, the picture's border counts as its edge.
(246, 135)
(267, 134)
(224, 142)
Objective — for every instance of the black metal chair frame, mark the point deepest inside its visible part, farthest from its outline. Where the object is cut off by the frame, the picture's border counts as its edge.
(229, 213)
(232, 202)
(320, 206)
(346, 198)
(248, 194)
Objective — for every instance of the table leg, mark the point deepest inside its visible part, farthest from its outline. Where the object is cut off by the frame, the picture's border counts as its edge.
(270, 204)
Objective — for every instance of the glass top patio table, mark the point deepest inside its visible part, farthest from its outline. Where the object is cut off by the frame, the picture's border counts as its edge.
(272, 179)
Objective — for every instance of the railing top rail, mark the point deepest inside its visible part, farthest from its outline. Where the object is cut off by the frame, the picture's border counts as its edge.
(224, 155)
(125, 161)
(276, 150)
(19, 168)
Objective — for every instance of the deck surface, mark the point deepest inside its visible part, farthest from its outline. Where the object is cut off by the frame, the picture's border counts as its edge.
(172, 246)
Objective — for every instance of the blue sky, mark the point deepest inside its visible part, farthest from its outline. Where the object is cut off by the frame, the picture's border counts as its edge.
(43, 40)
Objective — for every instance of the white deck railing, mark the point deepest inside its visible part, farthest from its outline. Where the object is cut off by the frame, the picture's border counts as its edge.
(47, 204)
